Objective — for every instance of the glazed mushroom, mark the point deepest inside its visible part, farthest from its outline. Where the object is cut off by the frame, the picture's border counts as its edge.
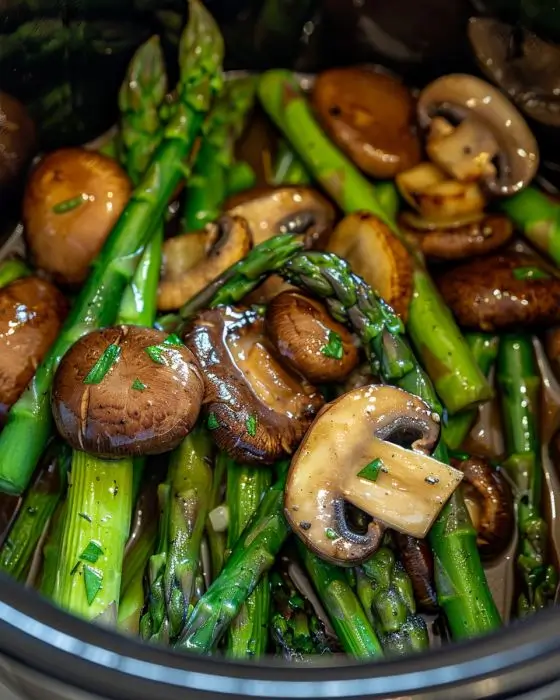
(418, 561)
(17, 140)
(72, 201)
(370, 116)
(377, 256)
(270, 211)
(490, 504)
(193, 260)
(126, 391)
(476, 133)
(257, 408)
(552, 346)
(308, 339)
(465, 241)
(31, 315)
(355, 452)
(501, 291)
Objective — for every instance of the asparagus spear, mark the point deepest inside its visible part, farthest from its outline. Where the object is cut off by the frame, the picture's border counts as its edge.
(520, 385)
(51, 550)
(251, 558)
(288, 168)
(11, 270)
(248, 632)
(538, 218)
(431, 326)
(484, 348)
(217, 540)
(29, 422)
(38, 506)
(386, 594)
(240, 177)
(207, 188)
(345, 612)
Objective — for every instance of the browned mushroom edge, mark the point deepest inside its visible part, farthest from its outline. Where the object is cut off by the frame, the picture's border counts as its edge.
(353, 453)
(126, 391)
(501, 291)
(476, 132)
(273, 210)
(469, 240)
(72, 200)
(17, 141)
(257, 408)
(309, 339)
(490, 504)
(31, 315)
(552, 347)
(193, 260)
(370, 116)
(418, 562)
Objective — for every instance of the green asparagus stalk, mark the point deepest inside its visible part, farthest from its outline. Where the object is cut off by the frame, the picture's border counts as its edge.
(207, 188)
(12, 270)
(217, 540)
(51, 551)
(386, 594)
(388, 198)
(248, 632)
(538, 218)
(520, 385)
(484, 348)
(288, 168)
(29, 423)
(343, 607)
(443, 350)
(240, 177)
(38, 506)
(251, 558)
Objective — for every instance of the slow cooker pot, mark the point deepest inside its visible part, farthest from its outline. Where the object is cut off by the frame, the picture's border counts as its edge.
(48, 655)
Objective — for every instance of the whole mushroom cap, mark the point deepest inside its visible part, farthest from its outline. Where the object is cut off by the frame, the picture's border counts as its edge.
(126, 391)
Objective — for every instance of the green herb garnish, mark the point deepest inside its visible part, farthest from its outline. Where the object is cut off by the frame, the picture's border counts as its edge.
(69, 204)
(85, 516)
(371, 470)
(530, 273)
(155, 352)
(139, 385)
(173, 339)
(91, 553)
(212, 422)
(103, 365)
(334, 347)
(331, 534)
(251, 425)
(92, 582)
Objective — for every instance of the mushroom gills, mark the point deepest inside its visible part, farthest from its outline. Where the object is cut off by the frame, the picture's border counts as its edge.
(346, 456)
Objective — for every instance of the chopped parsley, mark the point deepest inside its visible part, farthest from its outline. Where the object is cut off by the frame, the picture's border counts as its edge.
(333, 348)
(92, 582)
(371, 470)
(251, 425)
(91, 553)
(139, 385)
(331, 534)
(70, 204)
(155, 352)
(97, 373)
(212, 422)
(530, 273)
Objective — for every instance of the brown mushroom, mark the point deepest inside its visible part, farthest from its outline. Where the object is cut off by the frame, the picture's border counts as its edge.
(552, 346)
(309, 339)
(127, 391)
(490, 504)
(418, 562)
(17, 140)
(501, 291)
(370, 116)
(258, 410)
(375, 254)
(193, 260)
(72, 201)
(466, 241)
(476, 133)
(273, 210)
(353, 453)
(31, 314)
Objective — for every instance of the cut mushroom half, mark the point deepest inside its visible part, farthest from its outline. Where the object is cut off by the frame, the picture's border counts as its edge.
(356, 452)
(193, 260)
(474, 132)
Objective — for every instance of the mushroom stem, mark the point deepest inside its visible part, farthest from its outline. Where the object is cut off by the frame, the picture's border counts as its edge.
(97, 523)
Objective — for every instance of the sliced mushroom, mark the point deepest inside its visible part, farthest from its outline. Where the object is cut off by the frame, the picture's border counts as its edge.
(72, 201)
(353, 453)
(501, 292)
(31, 315)
(307, 337)
(438, 199)
(552, 346)
(127, 391)
(375, 254)
(258, 410)
(490, 504)
(418, 561)
(467, 241)
(17, 141)
(273, 210)
(522, 64)
(370, 116)
(476, 133)
(193, 260)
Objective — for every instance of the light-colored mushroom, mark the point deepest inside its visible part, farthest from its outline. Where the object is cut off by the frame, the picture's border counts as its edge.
(475, 132)
(354, 453)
